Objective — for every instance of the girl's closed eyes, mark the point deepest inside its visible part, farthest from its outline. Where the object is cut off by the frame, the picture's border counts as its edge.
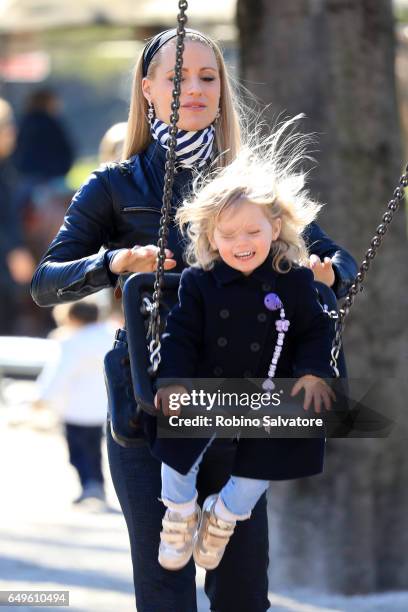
(228, 236)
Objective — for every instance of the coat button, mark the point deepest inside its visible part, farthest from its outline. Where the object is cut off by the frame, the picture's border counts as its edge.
(255, 346)
(218, 371)
(247, 374)
(222, 342)
(266, 287)
(262, 317)
(224, 313)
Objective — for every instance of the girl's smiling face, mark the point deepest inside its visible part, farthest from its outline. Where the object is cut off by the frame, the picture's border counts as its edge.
(200, 86)
(243, 236)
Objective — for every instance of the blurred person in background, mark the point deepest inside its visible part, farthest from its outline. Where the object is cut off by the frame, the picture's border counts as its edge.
(44, 150)
(73, 385)
(43, 156)
(16, 263)
(111, 145)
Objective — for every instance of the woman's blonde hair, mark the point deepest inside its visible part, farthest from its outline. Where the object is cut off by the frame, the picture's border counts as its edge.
(269, 174)
(227, 127)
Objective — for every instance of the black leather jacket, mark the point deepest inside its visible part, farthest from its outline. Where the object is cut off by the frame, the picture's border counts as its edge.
(119, 206)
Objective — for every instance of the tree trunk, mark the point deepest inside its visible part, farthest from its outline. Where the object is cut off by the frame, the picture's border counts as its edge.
(334, 61)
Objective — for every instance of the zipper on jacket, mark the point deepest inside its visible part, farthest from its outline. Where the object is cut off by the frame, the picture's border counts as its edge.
(131, 209)
(62, 291)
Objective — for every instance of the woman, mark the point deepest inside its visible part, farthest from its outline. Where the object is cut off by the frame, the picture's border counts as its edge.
(118, 208)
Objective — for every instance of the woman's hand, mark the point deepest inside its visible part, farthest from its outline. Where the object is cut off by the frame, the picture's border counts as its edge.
(140, 259)
(162, 399)
(316, 390)
(322, 270)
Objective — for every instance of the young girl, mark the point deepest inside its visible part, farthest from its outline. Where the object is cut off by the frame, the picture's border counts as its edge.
(246, 309)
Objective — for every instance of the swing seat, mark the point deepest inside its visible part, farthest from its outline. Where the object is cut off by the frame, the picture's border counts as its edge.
(137, 294)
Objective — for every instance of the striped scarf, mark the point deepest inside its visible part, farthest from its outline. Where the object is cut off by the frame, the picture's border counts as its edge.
(192, 148)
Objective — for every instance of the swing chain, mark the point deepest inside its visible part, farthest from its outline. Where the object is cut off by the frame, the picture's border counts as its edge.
(154, 323)
(357, 285)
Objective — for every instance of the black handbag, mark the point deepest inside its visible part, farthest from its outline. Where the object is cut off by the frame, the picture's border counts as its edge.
(123, 412)
(128, 382)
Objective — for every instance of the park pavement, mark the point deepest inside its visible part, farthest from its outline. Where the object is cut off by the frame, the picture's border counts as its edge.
(46, 542)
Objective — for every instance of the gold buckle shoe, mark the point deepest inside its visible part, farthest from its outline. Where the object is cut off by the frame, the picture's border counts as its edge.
(176, 546)
(212, 536)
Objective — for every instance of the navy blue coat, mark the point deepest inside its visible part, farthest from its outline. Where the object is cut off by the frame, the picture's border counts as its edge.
(222, 328)
(119, 206)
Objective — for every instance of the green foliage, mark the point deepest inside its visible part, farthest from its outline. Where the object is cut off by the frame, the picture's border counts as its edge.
(401, 14)
(80, 171)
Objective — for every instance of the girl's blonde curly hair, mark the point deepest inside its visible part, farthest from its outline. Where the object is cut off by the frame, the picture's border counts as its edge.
(269, 174)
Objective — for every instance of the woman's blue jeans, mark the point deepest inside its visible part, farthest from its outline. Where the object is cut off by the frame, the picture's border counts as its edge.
(239, 584)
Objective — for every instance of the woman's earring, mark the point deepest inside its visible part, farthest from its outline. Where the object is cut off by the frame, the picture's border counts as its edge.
(150, 113)
(218, 115)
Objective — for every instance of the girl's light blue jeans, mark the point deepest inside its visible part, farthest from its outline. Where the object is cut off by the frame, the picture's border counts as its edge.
(239, 494)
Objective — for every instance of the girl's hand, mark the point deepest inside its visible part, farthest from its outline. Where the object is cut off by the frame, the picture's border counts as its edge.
(162, 399)
(322, 270)
(140, 259)
(316, 390)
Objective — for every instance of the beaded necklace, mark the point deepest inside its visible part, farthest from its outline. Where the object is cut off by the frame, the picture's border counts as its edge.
(273, 302)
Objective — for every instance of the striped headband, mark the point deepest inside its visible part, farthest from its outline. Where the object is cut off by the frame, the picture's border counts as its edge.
(160, 39)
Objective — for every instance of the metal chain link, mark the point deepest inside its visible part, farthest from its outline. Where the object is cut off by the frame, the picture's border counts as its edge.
(154, 323)
(357, 285)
